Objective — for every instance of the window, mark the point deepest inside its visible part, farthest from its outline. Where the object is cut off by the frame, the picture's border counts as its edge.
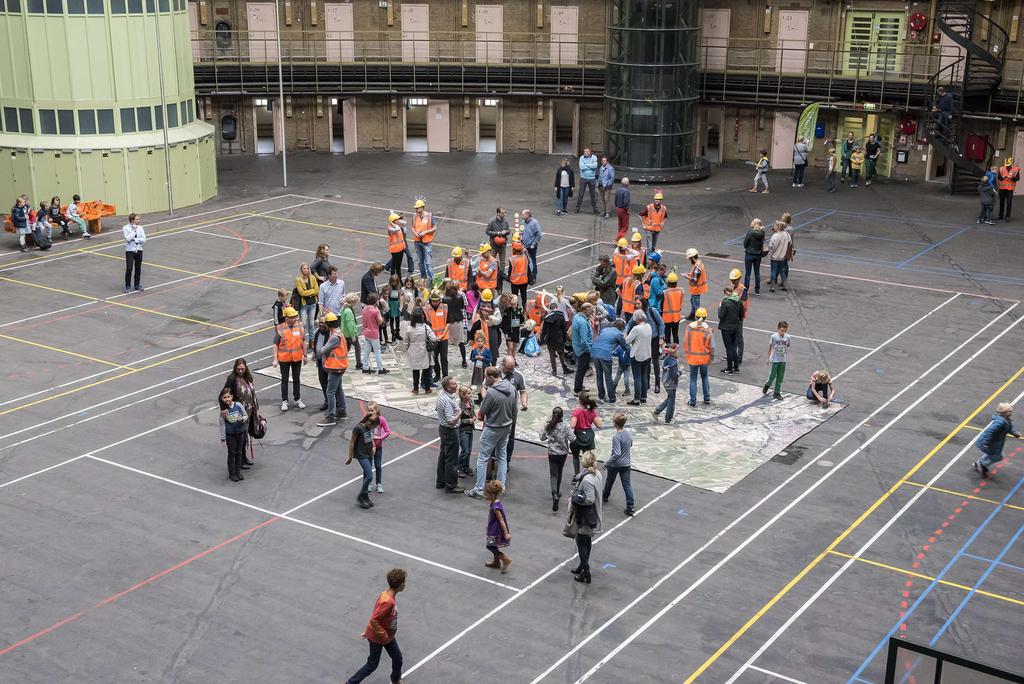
(145, 115)
(76, 6)
(117, 7)
(334, 102)
(128, 120)
(489, 102)
(87, 122)
(191, 111)
(11, 117)
(66, 121)
(35, 6)
(13, 6)
(151, 6)
(47, 122)
(105, 118)
(873, 40)
(184, 113)
(55, 6)
(95, 6)
(416, 102)
(25, 116)
(172, 116)
(158, 117)
(261, 102)
(1, 10)
(165, 6)
(135, 6)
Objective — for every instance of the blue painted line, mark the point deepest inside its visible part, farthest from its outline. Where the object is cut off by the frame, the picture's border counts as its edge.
(862, 680)
(977, 585)
(989, 560)
(931, 270)
(935, 582)
(739, 240)
(934, 246)
(889, 217)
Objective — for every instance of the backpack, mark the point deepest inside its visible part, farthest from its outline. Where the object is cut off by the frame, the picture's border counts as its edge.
(257, 426)
(39, 237)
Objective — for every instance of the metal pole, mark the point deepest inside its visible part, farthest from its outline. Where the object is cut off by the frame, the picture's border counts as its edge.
(280, 93)
(163, 106)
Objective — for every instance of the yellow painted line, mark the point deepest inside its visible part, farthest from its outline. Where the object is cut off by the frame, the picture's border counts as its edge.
(95, 246)
(848, 531)
(121, 304)
(133, 371)
(980, 429)
(911, 573)
(962, 495)
(150, 264)
(381, 235)
(65, 351)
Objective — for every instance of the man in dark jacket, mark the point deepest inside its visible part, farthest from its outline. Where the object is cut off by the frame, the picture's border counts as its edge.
(368, 284)
(497, 227)
(553, 336)
(730, 318)
(603, 279)
(622, 208)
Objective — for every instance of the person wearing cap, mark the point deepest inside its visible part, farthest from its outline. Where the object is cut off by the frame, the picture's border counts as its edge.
(699, 349)
(631, 292)
(735, 276)
(1007, 178)
(290, 354)
(334, 356)
(424, 230)
(622, 209)
(730, 320)
(636, 244)
(697, 280)
(531, 240)
(459, 269)
(487, 270)
(655, 281)
(603, 279)
(397, 245)
(672, 307)
(487, 319)
(518, 273)
(654, 215)
(623, 260)
(497, 234)
(436, 313)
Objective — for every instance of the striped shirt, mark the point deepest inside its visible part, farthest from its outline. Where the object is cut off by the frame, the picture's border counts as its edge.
(447, 408)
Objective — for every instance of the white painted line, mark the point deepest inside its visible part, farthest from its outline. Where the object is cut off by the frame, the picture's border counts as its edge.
(288, 517)
(777, 675)
(49, 314)
(111, 370)
(801, 337)
(853, 558)
(769, 496)
(858, 361)
(541, 286)
(494, 611)
(40, 472)
(270, 244)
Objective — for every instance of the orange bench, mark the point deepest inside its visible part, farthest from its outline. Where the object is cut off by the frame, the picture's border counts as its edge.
(91, 212)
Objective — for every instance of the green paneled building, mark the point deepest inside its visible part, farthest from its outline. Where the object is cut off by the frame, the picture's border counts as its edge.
(81, 108)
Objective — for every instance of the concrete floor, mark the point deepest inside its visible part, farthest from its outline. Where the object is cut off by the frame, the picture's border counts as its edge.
(128, 556)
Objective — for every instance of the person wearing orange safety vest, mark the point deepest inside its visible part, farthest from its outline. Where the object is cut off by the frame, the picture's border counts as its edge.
(639, 253)
(631, 291)
(1008, 176)
(735, 275)
(672, 308)
(424, 230)
(518, 273)
(334, 356)
(623, 260)
(290, 354)
(437, 318)
(699, 348)
(459, 269)
(397, 244)
(654, 215)
(697, 279)
(487, 270)
(488, 321)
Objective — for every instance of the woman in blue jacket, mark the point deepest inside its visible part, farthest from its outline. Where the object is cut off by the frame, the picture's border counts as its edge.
(992, 438)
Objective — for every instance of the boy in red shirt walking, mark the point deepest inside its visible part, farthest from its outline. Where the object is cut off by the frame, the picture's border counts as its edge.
(380, 631)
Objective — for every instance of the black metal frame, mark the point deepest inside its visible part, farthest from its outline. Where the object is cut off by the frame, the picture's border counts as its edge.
(896, 644)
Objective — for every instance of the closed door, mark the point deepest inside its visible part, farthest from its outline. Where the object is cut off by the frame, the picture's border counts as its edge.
(262, 32)
(437, 126)
(792, 41)
(783, 139)
(193, 29)
(415, 33)
(873, 42)
(348, 122)
(714, 39)
(565, 31)
(339, 35)
(489, 27)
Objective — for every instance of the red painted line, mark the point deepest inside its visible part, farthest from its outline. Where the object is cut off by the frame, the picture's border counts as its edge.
(135, 587)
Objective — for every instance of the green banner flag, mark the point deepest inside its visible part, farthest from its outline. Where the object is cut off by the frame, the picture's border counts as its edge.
(808, 120)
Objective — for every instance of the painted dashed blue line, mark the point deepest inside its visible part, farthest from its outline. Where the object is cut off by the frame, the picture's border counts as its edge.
(681, 512)
(607, 566)
(739, 240)
(934, 246)
(989, 560)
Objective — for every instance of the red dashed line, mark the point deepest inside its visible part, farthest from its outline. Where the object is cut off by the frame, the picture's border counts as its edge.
(925, 548)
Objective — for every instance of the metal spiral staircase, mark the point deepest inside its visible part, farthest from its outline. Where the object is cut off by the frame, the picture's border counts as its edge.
(972, 78)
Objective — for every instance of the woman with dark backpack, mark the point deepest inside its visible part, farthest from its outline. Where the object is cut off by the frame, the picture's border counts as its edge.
(553, 336)
(243, 389)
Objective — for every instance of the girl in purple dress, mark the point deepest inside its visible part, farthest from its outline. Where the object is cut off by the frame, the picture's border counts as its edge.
(498, 535)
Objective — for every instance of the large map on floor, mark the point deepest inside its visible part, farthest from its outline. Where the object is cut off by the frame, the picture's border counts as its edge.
(712, 447)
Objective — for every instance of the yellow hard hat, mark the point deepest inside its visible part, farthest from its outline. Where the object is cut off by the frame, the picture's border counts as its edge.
(636, 237)
(290, 312)
(701, 312)
(394, 217)
(658, 195)
(673, 277)
(457, 252)
(419, 204)
(485, 248)
(622, 242)
(1009, 161)
(639, 269)
(487, 295)
(735, 274)
(329, 316)
(690, 253)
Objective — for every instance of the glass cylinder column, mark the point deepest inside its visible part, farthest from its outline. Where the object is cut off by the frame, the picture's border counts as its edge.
(651, 90)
